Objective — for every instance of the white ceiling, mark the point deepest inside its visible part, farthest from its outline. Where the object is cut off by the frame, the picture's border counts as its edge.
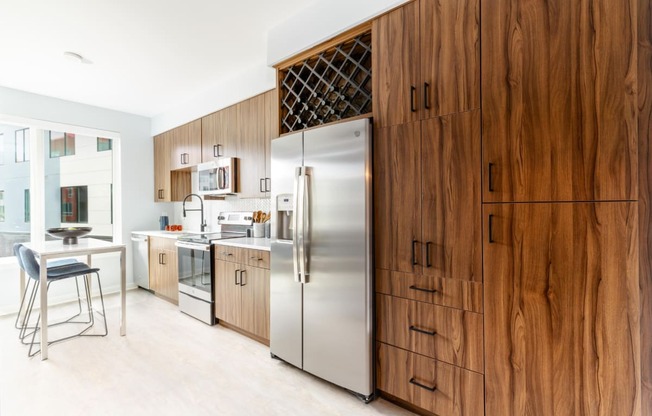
(148, 55)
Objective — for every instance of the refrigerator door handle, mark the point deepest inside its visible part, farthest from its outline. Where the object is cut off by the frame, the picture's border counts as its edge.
(295, 227)
(305, 226)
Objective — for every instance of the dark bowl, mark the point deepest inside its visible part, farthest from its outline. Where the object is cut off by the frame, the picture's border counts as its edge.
(69, 234)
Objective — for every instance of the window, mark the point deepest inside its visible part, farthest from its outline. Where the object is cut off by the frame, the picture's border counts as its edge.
(2, 206)
(22, 145)
(2, 148)
(104, 144)
(61, 144)
(74, 204)
(27, 211)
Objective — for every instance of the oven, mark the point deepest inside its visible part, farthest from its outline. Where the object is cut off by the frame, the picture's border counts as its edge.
(196, 279)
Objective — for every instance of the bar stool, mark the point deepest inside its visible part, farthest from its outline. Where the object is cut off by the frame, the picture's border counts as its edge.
(51, 265)
(54, 274)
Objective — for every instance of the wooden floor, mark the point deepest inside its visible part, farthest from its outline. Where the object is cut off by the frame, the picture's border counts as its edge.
(168, 364)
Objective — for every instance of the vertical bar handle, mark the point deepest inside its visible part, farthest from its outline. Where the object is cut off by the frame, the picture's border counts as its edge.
(163, 258)
(414, 252)
(295, 227)
(491, 228)
(426, 99)
(413, 98)
(428, 244)
(305, 218)
(243, 273)
(268, 188)
(236, 277)
(490, 177)
(261, 185)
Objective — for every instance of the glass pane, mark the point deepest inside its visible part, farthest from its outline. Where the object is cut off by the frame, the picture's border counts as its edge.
(14, 180)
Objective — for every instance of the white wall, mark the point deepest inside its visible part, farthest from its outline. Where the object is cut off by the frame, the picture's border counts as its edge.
(136, 171)
(319, 22)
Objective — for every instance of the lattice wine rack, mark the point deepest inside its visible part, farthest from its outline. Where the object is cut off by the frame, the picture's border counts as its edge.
(332, 85)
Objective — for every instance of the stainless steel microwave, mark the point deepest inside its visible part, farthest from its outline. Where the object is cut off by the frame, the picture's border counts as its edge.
(217, 177)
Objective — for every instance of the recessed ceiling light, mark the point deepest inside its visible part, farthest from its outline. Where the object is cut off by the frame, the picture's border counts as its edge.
(75, 57)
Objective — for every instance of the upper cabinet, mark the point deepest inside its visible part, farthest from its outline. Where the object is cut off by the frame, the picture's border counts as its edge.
(559, 101)
(218, 134)
(250, 136)
(162, 167)
(426, 61)
(186, 145)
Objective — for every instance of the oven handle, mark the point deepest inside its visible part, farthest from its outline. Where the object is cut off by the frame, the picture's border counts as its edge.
(193, 246)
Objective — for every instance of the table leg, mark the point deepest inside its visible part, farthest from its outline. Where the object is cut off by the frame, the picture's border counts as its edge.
(44, 307)
(123, 291)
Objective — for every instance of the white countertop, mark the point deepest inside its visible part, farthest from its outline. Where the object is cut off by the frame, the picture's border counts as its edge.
(264, 244)
(166, 234)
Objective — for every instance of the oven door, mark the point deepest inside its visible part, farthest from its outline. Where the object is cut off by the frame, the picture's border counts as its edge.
(196, 280)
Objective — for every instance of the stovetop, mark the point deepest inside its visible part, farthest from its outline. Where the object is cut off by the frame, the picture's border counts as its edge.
(207, 238)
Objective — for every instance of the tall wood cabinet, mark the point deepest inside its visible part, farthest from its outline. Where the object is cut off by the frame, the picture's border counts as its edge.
(186, 145)
(163, 268)
(426, 58)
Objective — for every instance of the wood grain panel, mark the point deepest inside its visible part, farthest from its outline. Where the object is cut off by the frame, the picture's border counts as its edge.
(257, 258)
(561, 309)
(227, 293)
(162, 168)
(193, 142)
(251, 146)
(181, 184)
(453, 293)
(458, 392)
(398, 197)
(645, 196)
(450, 335)
(559, 100)
(452, 223)
(395, 51)
(450, 56)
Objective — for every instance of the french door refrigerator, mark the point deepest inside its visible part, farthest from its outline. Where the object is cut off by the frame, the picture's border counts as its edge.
(321, 262)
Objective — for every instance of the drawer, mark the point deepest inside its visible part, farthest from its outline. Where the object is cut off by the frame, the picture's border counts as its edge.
(230, 253)
(450, 335)
(257, 258)
(454, 293)
(440, 388)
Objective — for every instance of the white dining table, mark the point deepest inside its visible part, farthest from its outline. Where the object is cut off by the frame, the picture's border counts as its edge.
(48, 250)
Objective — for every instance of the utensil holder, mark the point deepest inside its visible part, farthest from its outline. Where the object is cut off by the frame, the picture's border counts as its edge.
(259, 230)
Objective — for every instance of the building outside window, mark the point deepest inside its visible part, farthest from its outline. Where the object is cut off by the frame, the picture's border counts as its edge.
(2, 206)
(2, 148)
(61, 144)
(103, 144)
(27, 209)
(22, 145)
(74, 204)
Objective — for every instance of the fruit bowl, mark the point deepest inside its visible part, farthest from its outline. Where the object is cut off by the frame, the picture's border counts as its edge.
(69, 234)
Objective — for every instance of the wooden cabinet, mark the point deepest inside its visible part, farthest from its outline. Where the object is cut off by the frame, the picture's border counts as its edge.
(242, 290)
(163, 268)
(559, 93)
(219, 134)
(562, 309)
(427, 190)
(162, 185)
(251, 147)
(426, 61)
(186, 145)
(437, 387)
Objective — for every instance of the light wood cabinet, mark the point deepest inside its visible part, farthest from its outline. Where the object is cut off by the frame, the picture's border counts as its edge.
(242, 290)
(186, 145)
(251, 147)
(162, 185)
(562, 309)
(163, 268)
(427, 190)
(559, 101)
(426, 61)
(219, 134)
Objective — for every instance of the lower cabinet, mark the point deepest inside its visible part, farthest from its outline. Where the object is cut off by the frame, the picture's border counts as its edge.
(163, 268)
(242, 290)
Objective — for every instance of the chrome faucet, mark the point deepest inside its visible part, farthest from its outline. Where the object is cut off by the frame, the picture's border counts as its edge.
(203, 222)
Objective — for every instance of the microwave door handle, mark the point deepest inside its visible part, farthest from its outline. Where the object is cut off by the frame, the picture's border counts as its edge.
(220, 178)
(295, 227)
(305, 225)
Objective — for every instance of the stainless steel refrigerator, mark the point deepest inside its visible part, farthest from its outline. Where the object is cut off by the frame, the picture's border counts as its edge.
(321, 263)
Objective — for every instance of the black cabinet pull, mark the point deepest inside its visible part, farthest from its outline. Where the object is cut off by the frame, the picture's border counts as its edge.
(490, 177)
(414, 252)
(420, 289)
(413, 98)
(423, 386)
(261, 185)
(160, 194)
(159, 258)
(268, 188)
(181, 155)
(422, 331)
(426, 89)
(428, 244)
(236, 277)
(216, 150)
(163, 257)
(491, 228)
(243, 273)
(187, 158)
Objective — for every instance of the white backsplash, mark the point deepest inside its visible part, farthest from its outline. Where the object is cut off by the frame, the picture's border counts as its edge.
(212, 209)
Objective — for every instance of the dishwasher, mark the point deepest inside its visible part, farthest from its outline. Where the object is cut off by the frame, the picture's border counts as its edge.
(140, 248)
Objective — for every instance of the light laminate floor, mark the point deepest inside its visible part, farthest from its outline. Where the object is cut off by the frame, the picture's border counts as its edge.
(168, 364)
